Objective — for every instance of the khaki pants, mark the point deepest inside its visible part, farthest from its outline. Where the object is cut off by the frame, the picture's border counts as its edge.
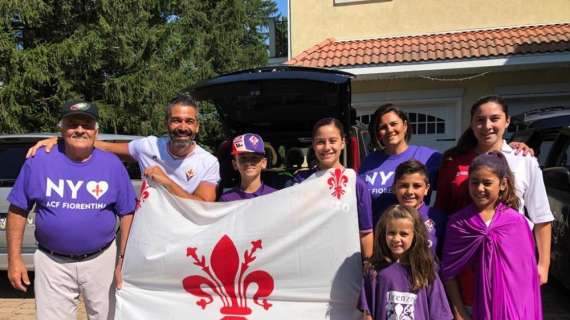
(59, 282)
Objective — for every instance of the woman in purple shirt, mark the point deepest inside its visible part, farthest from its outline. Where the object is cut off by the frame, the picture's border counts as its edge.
(390, 132)
(328, 143)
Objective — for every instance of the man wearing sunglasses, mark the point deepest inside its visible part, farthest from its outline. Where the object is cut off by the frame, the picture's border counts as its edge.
(78, 192)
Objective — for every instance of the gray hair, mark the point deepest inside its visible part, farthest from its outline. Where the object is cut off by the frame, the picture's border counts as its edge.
(183, 100)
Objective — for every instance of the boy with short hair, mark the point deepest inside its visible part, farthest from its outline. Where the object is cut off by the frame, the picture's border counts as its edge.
(411, 185)
(249, 159)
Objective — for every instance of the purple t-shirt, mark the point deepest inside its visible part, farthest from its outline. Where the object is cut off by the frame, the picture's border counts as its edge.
(363, 201)
(238, 194)
(386, 294)
(76, 202)
(435, 222)
(378, 171)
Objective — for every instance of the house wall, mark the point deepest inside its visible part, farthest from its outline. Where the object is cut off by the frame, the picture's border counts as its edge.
(313, 21)
(452, 100)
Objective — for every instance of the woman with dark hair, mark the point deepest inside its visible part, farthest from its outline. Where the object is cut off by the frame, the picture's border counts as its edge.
(489, 121)
(390, 133)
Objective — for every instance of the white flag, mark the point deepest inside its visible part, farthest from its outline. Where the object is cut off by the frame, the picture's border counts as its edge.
(292, 254)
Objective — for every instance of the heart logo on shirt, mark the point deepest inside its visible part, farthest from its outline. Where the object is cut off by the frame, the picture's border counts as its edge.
(97, 188)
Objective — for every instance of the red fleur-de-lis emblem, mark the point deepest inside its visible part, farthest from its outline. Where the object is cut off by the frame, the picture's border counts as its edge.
(143, 194)
(337, 182)
(189, 174)
(228, 279)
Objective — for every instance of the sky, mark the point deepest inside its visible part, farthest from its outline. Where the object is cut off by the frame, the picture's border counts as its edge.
(282, 7)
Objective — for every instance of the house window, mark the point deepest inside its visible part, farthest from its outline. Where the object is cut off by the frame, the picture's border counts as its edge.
(364, 118)
(419, 123)
(422, 124)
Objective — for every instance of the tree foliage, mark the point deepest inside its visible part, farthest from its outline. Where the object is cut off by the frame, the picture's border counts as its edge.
(281, 36)
(128, 56)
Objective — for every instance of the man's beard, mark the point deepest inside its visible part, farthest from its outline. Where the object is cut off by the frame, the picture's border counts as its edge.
(174, 134)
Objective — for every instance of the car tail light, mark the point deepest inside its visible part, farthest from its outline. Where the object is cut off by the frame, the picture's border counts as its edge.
(354, 153)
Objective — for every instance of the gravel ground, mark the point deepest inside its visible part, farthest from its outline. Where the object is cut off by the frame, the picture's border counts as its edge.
(16, 305)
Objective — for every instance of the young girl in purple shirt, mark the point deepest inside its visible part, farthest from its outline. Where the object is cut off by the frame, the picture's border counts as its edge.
(495, 240)
(403, 283)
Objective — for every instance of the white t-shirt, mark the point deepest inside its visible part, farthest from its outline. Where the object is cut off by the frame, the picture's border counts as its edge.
(188, 172)
(529, 185)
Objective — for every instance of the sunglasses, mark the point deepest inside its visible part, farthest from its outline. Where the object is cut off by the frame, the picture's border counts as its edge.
(87, 125)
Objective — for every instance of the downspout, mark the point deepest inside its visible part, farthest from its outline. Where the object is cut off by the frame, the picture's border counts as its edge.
(289, 30)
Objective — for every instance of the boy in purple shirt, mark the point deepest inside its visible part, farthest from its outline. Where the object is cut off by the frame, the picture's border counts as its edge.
(411, 185)
(249, 159)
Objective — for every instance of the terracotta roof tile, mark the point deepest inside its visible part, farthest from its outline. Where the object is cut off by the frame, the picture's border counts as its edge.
(435, 47)
(492, 50)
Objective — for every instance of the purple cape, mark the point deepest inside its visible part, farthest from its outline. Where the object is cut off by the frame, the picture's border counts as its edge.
(503, 259)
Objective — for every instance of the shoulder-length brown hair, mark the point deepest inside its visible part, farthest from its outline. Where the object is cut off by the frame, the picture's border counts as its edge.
(373, 126)
(419, 255)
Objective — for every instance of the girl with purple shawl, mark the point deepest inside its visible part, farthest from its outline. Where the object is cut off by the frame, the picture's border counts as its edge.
(495, 240)
(403, 282)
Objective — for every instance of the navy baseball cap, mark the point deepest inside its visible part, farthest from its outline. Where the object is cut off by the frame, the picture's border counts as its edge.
(248, 142)
(80, 107)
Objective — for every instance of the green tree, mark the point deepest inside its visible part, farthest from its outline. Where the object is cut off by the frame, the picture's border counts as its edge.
(128, 56)
(281, 36)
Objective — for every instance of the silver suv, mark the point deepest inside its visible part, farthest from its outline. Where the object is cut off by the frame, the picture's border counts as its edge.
(13, 149)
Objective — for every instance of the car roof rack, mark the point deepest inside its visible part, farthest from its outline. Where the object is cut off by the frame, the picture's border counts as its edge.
(548, 112)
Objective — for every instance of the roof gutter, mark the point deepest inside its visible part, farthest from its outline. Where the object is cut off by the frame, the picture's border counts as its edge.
(404, 70)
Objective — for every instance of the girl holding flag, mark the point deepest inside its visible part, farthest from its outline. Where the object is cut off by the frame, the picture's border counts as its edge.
(328, 143)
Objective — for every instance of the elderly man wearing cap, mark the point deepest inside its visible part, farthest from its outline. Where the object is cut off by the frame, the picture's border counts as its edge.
(78, 191)
(176, 162)
(249, 159)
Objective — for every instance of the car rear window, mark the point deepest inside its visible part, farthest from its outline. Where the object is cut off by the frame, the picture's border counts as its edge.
(565, 158)
(12, 158)
(544, 151)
